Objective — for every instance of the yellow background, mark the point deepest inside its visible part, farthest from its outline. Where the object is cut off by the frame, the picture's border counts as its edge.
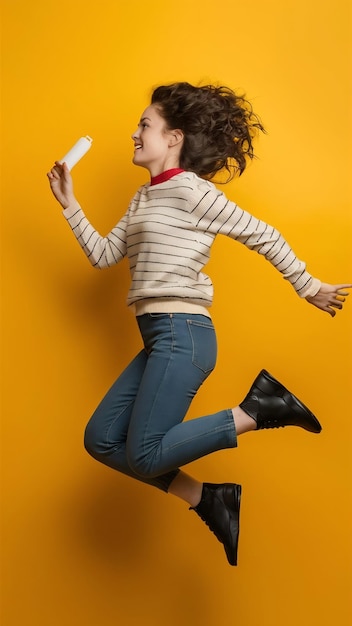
(82, 544)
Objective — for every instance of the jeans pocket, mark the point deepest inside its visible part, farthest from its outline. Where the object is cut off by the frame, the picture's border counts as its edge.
(204, 345)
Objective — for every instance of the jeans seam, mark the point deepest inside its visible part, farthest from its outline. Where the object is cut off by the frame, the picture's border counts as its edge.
(228, 427)
(156, 396)
(107, 438)
(215, 431)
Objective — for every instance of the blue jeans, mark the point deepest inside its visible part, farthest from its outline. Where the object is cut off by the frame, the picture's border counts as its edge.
(138, 428)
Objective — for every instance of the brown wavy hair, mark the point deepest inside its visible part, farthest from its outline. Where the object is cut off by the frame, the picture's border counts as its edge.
(218, 125)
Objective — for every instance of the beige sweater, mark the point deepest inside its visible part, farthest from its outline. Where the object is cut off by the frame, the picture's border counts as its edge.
(167, 233)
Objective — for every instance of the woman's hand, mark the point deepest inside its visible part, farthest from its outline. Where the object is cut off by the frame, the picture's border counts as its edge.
(329, 297)
(61, 184)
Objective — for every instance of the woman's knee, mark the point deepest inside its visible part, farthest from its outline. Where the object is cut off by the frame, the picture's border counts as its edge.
(93, 441)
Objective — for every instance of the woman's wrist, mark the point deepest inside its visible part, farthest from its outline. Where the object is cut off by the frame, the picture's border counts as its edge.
(70, 208)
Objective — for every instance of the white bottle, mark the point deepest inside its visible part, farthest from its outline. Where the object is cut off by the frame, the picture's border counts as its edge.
(77, 151)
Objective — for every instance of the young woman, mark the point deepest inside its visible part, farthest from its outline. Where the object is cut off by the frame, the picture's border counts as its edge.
(183, 139)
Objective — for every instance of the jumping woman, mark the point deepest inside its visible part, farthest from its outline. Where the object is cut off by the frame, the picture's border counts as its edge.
(184, 138)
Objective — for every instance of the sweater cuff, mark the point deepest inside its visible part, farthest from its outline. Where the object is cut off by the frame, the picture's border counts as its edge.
(71, 210)
(311, 289)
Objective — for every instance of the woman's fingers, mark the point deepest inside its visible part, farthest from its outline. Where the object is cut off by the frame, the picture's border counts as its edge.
(330, 297)
(340, 289)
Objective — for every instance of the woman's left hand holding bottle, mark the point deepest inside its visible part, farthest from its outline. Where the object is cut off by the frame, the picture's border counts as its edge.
(61, 184)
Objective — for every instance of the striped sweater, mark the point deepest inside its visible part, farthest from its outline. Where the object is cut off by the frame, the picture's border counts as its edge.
(167, 233)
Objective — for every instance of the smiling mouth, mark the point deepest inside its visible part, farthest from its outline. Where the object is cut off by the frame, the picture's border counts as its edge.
(138, 147)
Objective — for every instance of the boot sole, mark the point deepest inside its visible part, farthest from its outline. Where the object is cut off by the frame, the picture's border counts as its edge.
(232, 555)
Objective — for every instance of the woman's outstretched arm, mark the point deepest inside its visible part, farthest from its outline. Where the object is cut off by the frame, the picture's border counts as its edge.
(101, 251)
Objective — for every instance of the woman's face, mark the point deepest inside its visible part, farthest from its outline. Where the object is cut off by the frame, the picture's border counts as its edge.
(155, 146)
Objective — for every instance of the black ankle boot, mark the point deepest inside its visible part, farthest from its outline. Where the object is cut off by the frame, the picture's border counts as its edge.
(272, 406)
(219, 508)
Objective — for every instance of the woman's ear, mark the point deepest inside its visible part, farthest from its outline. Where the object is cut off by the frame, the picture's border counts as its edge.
(176, 137)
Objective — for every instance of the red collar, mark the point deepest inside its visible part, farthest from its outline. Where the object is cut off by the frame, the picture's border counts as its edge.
(161, 178)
